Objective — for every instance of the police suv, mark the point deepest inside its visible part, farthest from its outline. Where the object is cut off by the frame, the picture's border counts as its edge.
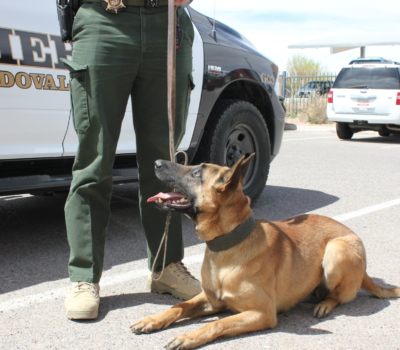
(234, 109)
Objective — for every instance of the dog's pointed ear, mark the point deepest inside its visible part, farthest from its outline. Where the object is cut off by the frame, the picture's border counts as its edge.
(238, 172)
(246, 165)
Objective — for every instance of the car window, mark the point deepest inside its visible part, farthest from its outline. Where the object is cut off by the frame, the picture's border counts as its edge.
(372, 78)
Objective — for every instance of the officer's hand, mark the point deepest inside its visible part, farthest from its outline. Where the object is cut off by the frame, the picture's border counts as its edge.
(180, 2)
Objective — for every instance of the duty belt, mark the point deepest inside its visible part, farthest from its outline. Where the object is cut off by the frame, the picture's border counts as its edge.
(145, 3)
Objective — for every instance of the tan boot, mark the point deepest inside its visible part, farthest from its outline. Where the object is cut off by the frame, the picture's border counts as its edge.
(83, 300)
(176, 280)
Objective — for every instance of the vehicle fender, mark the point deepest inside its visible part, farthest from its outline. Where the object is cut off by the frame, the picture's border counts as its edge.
(241, 84)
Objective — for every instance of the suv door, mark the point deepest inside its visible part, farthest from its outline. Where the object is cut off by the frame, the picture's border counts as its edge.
(34, 97)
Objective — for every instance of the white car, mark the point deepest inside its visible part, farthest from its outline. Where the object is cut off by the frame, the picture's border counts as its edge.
(366, 96)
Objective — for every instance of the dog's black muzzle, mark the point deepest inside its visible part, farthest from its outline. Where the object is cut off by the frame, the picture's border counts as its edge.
(168, 172)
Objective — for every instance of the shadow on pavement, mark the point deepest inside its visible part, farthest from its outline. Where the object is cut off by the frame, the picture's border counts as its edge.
(376, 139)
(279, 203)
(115, 302)
(297, 320)
(34, 247)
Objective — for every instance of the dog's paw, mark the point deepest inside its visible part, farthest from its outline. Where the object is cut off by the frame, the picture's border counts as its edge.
(180, 342)
(323, 309)
(147, 325)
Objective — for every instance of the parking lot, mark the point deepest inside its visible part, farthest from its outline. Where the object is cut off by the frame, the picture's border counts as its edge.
(357, 182)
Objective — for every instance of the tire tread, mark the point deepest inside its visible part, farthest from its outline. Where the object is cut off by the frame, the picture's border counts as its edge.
(208, 148)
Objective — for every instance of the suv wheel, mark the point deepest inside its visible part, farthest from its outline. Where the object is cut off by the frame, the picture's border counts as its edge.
(344, 131)
(237, 128)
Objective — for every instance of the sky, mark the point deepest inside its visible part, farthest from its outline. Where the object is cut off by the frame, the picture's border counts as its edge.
(273, 25)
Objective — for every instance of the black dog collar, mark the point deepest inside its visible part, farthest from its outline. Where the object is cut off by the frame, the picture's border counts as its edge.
(238, 235)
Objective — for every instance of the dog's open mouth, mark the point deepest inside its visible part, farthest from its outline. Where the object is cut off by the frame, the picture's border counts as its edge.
(171, 199)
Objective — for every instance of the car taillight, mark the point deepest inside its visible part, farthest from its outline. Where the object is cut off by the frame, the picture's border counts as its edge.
(398, 99)
(330, 97)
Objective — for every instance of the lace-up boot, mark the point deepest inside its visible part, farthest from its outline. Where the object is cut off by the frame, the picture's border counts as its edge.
(176, 280)
(82, 302)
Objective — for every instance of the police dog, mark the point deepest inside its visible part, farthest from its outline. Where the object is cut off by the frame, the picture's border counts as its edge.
(275, 267)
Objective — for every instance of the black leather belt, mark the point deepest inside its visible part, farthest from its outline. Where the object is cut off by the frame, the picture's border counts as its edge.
(145, 3)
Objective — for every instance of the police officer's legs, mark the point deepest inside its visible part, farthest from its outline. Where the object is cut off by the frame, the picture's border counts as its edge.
(103, 71)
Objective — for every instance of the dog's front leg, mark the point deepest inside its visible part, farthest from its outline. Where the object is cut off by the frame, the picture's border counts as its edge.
(200, 305)
(248, 321)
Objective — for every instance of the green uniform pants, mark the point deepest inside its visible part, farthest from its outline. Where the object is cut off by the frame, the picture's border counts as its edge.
(114, 57)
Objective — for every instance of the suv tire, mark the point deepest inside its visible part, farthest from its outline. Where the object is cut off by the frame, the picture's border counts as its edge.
(344, 131)
(237, 128)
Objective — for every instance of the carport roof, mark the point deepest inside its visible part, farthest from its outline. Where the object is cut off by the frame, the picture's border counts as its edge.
(350, 41)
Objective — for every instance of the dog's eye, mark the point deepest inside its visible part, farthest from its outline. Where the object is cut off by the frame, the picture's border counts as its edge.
(197, 173)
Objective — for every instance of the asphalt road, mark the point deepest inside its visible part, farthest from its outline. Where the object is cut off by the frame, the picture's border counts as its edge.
(356, 182)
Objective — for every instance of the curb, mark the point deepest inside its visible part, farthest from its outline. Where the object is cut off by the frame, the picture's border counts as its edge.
(290, 126)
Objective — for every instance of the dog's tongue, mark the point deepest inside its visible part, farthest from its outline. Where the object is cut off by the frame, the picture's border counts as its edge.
(166, 196)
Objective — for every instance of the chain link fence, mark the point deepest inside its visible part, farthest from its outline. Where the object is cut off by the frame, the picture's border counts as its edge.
(306, 96)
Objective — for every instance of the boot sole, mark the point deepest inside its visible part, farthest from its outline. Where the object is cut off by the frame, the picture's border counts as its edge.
(161, 288)
(82, 315)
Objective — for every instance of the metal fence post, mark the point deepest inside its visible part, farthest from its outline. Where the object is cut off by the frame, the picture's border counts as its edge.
(284, 75)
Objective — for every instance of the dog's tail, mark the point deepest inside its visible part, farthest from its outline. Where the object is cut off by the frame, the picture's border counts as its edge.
(381, 292)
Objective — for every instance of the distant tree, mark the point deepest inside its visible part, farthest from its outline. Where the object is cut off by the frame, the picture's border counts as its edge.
(300, 65)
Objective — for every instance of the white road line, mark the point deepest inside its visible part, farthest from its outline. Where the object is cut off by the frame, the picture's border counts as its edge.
(391, 146)
(326, 137)
(15, 196)
(41, 297)
(367, 210)
(311, 138)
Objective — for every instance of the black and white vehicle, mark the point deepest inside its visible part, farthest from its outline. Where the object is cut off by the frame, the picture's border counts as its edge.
(366, 96)
(234, 109)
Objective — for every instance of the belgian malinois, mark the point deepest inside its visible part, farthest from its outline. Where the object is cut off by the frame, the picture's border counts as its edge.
(264, 271)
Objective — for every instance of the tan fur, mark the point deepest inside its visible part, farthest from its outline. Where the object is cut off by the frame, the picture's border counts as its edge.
(274, 268)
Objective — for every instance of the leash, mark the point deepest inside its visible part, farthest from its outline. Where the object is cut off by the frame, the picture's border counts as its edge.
(171, 96)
